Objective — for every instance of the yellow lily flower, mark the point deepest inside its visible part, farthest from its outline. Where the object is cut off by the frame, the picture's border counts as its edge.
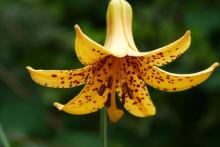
(118, 67)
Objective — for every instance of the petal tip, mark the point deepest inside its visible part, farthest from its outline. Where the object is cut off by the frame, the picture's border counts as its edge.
(154, 112)
(215, 65)
(76, 26)
(29, 68)
(188, 32)
(58, 106)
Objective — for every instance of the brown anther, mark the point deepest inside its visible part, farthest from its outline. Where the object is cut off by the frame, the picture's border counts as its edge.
(101, 90)
(108, 101)
(110, 81)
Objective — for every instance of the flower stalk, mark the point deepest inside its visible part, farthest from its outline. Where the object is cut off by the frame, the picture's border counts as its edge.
(103, 127)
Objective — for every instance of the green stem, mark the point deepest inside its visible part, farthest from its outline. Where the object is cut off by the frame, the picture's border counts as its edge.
(103, 127)
(3, 137)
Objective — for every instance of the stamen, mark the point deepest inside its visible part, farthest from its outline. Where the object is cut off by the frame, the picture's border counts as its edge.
(113, 112)
(110, 81)
(130, 93)
(123, 98)
(101, 90)
(126, 89)
(108, 102)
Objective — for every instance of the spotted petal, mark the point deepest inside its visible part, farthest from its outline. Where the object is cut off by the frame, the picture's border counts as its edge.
(88, 51)
(166, 54)
(93, 97)
(86, 102)
(60, 78)
(133, 92)
(166, 81)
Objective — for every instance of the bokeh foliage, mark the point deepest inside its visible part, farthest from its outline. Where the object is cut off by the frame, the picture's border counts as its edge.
(40, 33)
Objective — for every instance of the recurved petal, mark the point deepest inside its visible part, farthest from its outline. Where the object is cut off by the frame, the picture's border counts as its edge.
(60, 78)
(88, 51)
(86, 102)
(134, 94)
(137, 102)
(92, 98)
(166, 81)
(166, 54)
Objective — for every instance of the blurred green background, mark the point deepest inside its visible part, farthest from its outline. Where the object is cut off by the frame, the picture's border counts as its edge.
(40, 33)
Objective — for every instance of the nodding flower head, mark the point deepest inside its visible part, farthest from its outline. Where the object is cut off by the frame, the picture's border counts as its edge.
(117, 67)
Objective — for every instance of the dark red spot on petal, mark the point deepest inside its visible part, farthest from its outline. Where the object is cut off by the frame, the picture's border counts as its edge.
(54, 75)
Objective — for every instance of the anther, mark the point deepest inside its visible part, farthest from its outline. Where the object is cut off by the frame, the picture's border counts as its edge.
(101, 90)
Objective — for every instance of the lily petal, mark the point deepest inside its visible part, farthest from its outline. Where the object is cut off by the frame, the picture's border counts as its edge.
(86, 102)
(134, 94)
(166, 54)
(60, 78)
(166, 81)
(127, 22)
(140, 105)
(92, 98)
(119, 28)
(88, 51)
(116, 38)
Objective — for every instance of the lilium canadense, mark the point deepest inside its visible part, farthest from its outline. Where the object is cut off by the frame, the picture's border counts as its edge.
(118, 67)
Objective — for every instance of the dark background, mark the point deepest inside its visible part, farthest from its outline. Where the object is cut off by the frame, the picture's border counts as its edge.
(40, 33)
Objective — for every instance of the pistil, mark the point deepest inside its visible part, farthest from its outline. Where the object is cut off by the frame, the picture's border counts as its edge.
(113, 112)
